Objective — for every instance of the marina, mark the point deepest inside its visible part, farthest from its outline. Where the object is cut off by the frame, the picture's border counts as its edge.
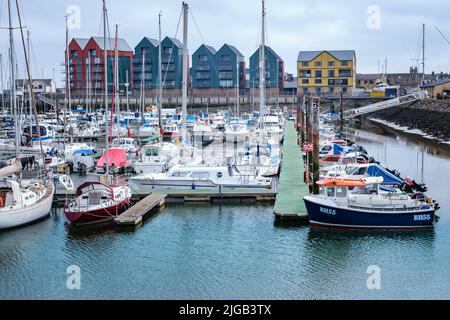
(269, 193)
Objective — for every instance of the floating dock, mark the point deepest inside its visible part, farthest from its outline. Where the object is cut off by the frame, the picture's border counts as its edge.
(289, 203)
(134, 216)
(182, 195)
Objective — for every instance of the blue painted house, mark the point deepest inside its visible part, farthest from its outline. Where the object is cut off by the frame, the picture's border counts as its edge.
(203, 68)
(274, 73)
(172, 63)
(146, 59)
(230, 64)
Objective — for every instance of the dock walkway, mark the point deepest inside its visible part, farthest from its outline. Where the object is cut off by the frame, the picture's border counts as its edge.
(291, 190)
(134, 215)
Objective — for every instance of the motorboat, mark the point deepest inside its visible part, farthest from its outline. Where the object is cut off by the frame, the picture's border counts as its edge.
(129, 144)
(117, 161)
(236, 131)
(362, 204)
(199, 177)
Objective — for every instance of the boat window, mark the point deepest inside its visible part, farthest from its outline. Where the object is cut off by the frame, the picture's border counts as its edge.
(361, 171)
(179, 174)
(322, 190)
(200, 175)
(361, 190)
(326, 148)
(330, 191)
(341, 192)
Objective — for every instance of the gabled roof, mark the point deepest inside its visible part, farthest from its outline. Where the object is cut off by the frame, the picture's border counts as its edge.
(269, 50)
(122, 45)
(338, 54)
(175, 41)
(211, 49)
(235, 50)
(152, 41)
(81, 42)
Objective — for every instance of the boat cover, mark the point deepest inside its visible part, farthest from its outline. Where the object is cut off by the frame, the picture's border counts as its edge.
(375, 170)
(118, 157)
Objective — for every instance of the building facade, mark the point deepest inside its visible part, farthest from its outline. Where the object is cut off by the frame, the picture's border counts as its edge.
(146, 65)
(326, 72)
(172, 66)
(274, 72)
(229, 71)
(438, 89)
(86, 65)
(203, 70)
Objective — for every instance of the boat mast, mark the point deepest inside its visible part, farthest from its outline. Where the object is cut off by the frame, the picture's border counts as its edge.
(143, 86)
(29, 89)
(13, 81)
(2, 83)
(185, 71)
(237, 87)
(116, 81)
(262, 67)
(105, 64)
(423, 54)
(160, 76)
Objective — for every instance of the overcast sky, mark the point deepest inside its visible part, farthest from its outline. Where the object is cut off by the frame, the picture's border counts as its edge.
(292, 25)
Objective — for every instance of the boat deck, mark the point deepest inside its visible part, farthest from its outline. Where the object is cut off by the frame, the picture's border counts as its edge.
(134, 216)
(291, 189)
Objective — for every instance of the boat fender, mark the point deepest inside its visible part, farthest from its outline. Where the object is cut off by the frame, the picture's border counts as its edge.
(2, 203)
(430, 200)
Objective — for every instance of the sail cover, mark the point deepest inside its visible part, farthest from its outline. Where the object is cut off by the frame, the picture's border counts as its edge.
(118, 157)
(375, 170)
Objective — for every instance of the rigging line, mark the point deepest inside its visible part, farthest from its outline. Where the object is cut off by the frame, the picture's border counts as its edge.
(203, 41)
(171, 51)
(442, 35)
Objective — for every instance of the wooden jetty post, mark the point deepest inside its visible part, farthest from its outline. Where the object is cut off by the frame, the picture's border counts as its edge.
(134, 216)
(301, 112)
(315, 106)
(309, 127)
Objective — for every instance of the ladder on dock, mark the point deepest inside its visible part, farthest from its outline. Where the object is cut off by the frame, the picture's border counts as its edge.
(134, 216)
(409, 98)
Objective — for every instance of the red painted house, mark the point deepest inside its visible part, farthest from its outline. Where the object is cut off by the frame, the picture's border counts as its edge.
(87, 77)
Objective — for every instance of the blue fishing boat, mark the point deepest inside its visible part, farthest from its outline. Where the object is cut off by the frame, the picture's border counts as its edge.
(362, 204)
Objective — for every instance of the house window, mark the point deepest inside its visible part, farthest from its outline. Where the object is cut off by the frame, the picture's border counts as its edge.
(318, 89)
(344, 63)
(167, 50)
(74, 53)
(305, 81)
(226, 58)
(344, 90)
(202, 58)
(92, 52)
(304, 63)
(318, 74)
(318, 63)
(331, 63)
(318, 81)
(330, 73)
(305, 73)
(305, 90)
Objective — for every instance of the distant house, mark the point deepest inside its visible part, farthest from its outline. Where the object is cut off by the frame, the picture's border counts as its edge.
(230, 68)
(438, 88)
(203, 70)
(274, 71)
(39, 86)
(326, 72)
(86, 59)
(172, 65)
(145, 64)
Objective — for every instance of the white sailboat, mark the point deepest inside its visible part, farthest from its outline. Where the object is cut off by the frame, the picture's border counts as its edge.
(22, 204)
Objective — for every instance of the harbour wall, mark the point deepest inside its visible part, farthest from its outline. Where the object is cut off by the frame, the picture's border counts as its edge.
(429, 115)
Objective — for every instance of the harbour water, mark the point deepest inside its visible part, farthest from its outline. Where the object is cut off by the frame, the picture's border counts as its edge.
(236, 251)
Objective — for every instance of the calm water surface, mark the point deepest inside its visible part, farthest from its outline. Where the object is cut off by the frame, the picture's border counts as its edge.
(237, 252)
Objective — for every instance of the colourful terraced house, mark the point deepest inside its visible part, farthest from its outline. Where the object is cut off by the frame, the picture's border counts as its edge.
(326, 72)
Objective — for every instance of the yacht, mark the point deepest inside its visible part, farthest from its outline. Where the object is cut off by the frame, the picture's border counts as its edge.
(199, 177)
(236, 131)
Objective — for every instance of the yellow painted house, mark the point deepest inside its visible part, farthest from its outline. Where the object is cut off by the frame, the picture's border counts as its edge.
(326, 72)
